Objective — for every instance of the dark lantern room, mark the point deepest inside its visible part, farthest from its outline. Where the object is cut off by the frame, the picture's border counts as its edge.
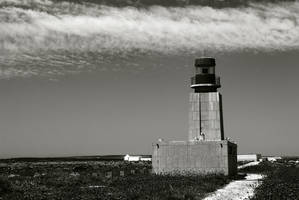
(205, 79)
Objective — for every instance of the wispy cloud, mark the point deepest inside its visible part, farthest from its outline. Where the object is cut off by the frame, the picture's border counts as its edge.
(70, 27)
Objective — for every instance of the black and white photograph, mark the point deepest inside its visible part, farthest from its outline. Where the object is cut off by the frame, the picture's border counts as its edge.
(149, 100)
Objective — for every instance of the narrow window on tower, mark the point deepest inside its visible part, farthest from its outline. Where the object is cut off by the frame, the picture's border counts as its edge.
(205, 70)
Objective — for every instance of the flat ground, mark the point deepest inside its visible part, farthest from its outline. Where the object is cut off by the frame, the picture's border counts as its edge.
(122, 180)
(99, 180)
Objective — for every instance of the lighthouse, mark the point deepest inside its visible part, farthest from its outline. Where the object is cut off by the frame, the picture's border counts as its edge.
(205, 113)
(206, 151)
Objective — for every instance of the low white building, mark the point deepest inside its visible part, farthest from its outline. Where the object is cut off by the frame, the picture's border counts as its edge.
(132, 158)
(137, 158)
(249, 157)
(146, 159)
(274, 158)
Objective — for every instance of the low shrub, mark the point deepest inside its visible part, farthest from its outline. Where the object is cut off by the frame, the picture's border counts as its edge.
(281, 183)
(5, 186)
(80, 181)
(168, 187)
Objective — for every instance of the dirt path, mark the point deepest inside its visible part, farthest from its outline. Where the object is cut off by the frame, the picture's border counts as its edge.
(249, 164)
(237, 190)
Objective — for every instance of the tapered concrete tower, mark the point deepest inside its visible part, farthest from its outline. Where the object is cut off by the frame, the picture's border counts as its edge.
(206, 151)
(205, 114)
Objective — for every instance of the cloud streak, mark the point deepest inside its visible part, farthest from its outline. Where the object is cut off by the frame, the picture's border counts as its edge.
(35, 26)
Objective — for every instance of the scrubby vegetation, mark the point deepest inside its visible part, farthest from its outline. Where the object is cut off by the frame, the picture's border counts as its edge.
(281, 180)
(281, 183)
(99, 180)
(169, 187)
(5, 186)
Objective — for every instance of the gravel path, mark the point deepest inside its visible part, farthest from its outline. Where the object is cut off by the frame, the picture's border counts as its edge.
(237, 190)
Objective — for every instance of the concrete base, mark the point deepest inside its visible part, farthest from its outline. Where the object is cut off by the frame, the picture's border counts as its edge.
(198, 157)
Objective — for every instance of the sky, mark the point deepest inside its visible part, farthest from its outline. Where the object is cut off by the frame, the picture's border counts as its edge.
(93, 79)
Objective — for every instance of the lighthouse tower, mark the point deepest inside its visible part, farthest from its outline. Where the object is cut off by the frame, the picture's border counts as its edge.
(206, 151)
(205, 114)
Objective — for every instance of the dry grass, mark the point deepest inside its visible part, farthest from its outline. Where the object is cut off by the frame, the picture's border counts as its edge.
(86, 180)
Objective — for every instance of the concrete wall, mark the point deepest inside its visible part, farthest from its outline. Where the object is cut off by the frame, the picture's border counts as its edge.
(232, 159)
(199, 157)
(205, 116)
